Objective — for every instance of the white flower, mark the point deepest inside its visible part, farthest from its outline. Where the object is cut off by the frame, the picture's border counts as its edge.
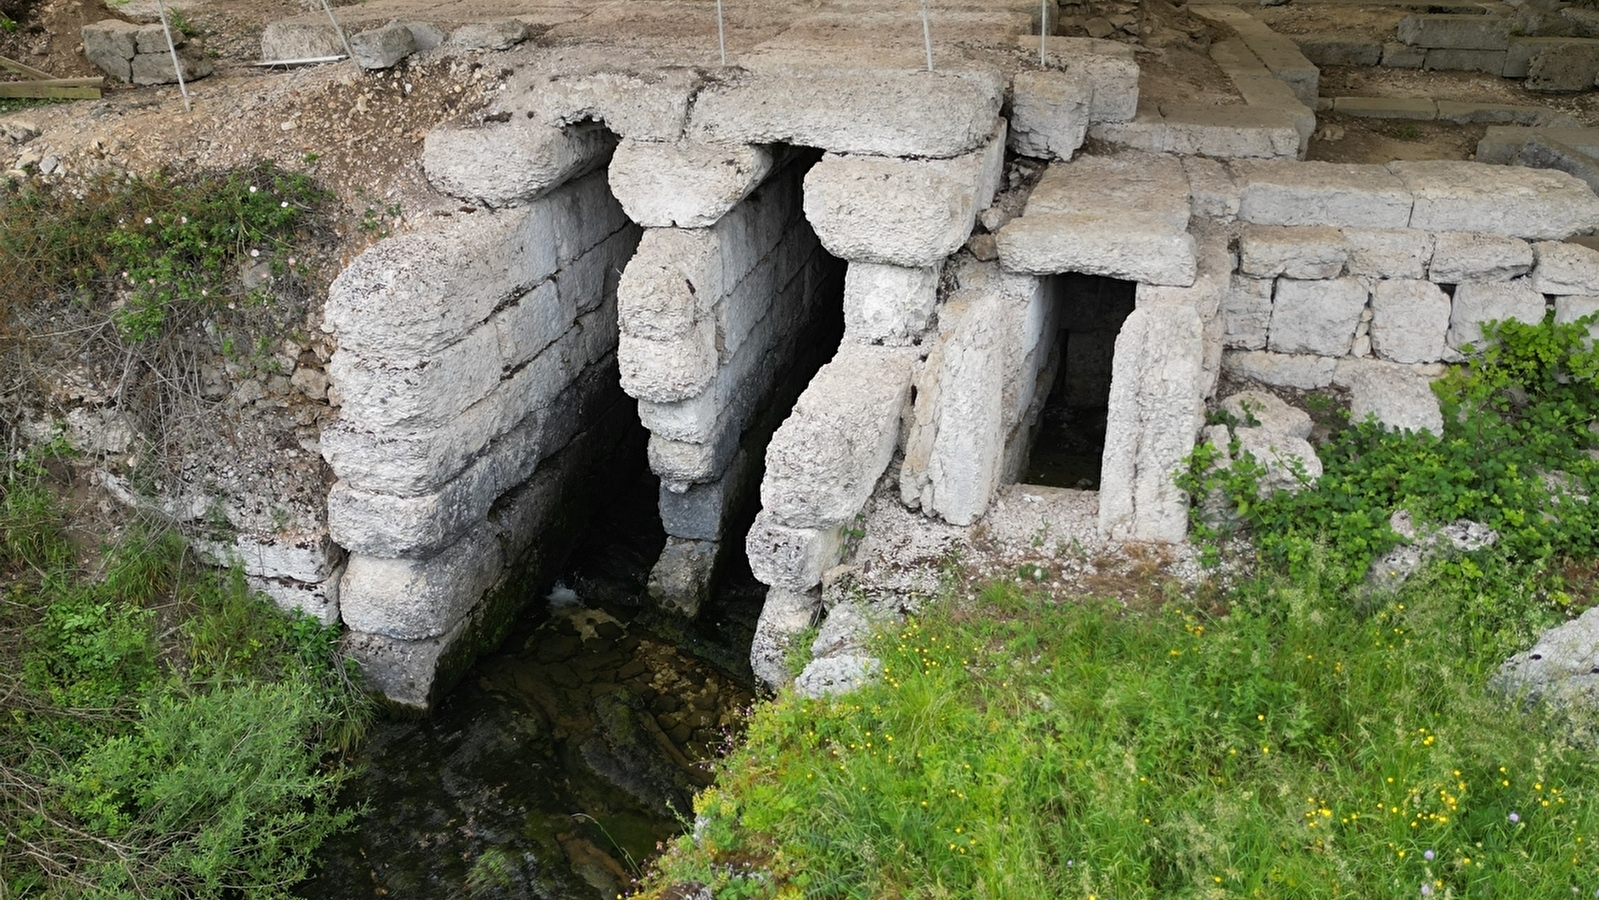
(255, 252)
(148, 220)
(252, 188)
(284, 204)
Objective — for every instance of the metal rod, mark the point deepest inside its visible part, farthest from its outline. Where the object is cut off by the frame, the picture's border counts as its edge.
(721, 32)
(1043, 33)
(300, 62)
(339, 28)
(172, 48)
(927, 36)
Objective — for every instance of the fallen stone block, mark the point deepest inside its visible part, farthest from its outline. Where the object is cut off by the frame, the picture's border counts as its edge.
(782, 556)
(300, 40)
(1421, 109)
(502, 34)
(1498, 301)
(653, 108)
(1125, 246)
(1316, 193)
(1317, 317)
(1545, 153)
(1491, 62)
(1409, 320)
(1570, 309)
(1564, 69)
(1398, 396)
(157, 68)
(681, 580)
(1049, 113)
(1525, 203)
(1463, 256)
(1212, 192)
(1156, 410)
(111, 45)
(383, 48)
(1463, 113)
(823, 462)
(426, 35)
(1339, 49)
(1564, 268)
(1388, 252)
(888, 305)
(1396, 55)
(1291, 463)
(687, 185)
(1524, 49)
(1269, 413)
(1458, 32)
(784, 617)
(1501, 142)
(1557, 671)
(513, 163)
(1246, 313)
(892, 113)
(1305, 253)
(1301, 371)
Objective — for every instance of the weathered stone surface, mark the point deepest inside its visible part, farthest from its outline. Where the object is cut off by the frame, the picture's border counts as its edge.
(1326, 49)
(1564, 69)
(426, 35)
(1490, 62)
(1216, 263)
(426, 393)
(784, 617)
(825, 459)
(1403, 56)
(411, 599)
(891, 113)
(1524, 49)
(1421, 109)
(1291, 463)
(1301, 371)
(1315, 193)
(1564, 268)
(1525, 203)
(1462, 256)
(1223, 132)
(1109, 67)
(1156, 409)
(319, 600)
(1246, 313)
(1501, 143)
(1459, 32)
(497, 35)
(682, 184)
(1559, 669)
(680, 582)
(1151, 186)
(1388, 252)
(898, 212)
(1259, 409)
(512, 163)
(1399, 396)
(1127, 246)
(300, 40)
(836, 675)
(1316, 317)
(1409, 320)
(1540, 152)
(1049, 113)
(644, 108)
(888, 305)
(782, 556)
(156, 68)
(111, 46)
(1496, 301)
(700, 512)
(1212, 192)
(1469, 113)
(1570, 309)
(1308, 253)
(382, 48)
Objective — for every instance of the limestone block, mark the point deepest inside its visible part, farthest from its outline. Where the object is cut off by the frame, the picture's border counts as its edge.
(1490, 62)
(1564, 69)
(1331, 49)
(319, 601)
(900, 212)
(784, 617)
(1403, 56)
(827, 456)
(1110, 70)
(1129, 246)
(299, 40)
(643, 107)
(1409, 320)
(1496, 301)
(426, 35)
(1388, 252)
(1212, 281)
(1156, 410)
(382, 48)
(667, 370)
(685, 184)
(836, 675)
(1459, 32)
(1288, 458)
(1525, 203)
(1316, 317)
(428, 392)
(1268, 412)
(1049, 113)
(1299, 370)
(310, 557)
(680, 581)
(1470, 113)
(1399, 396)
(885, 113)
(782, 556)
(111, 45)
(156, 68)
(701, 511)
(1570, 309)
(1151, 186)
(1246, 313)
(1541, 152)
(1522, 51)
(1212, 192)
(1304, 252)
(888, 305)
(1557, 670)
(152, 38)
(414, 599)
(1284, 192)
(1565, 268)
(1223, 132)
(501, 34)
(1462, 256)
(511, 163)
(671, 285)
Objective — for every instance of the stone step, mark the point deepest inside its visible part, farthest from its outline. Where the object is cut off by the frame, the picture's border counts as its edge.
(1278, 52)
(1335, 49)
(1502, 141)
(1452, 31)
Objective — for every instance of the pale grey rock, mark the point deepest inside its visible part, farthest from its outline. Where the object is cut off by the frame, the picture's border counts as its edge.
(1246, 313)
(1496, 301)
(784, 616)
(1212, 192)
(1536, 204)
(681, 579)
(1462, 256)
(1301, 371)
(1156, 410)
(1317, 317)
(426, 35)
(886, 113)
(1400, 397)
(682, 184)
(300, 40)
(1109, 67)
(429, 392)
(700, 512)
(1409, 320)
(1456, 31)
(318, 601)
(1391, 570)
(415, 599)
(502, 34)
(383, 48)
(1268, 412)
(1128, 246)
(1049, 113)
(1564, 268)
(1305, 252)
(157, 68)
(1570, 309)
(99, 430)
(308, 557)
(1150, 187)
(642, 107)
(1315, 193)
(111, 45)
(1291, 463)
(836, 675)
(1213, 279)
(1561, 669)
(888, 305)
(1388, 252)
(515, 162)
(1449, 59)
(782, 556)
(824, 460)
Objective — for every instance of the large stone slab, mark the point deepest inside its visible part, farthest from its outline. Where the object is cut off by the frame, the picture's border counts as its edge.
(1128, 246)
(1501, 142)
(1389, 252)
(1462, 256)
(650, 106)
(1302, 371)
(1306, 253)
(1335, 49)
(1522, 50)
(1246, 313)
(1398, 396)
(511, 163)
(1109, 68)
(1565, 69)
(1497, 301)
(683, 184)
(1317, 317)
(1564, 268)
(1316, 193)
(297, 40)
(1470, 196)
(1152, 186)
(1409, 320)
(1456, 32)
(1222, 132)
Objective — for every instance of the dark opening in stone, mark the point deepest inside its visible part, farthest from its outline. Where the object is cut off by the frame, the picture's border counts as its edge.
(1069, 439)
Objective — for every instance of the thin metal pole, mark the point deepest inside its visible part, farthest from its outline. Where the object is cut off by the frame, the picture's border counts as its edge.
(721, 32)
(172, 48)
(339, 28)
(1043, 33)
(927, 36)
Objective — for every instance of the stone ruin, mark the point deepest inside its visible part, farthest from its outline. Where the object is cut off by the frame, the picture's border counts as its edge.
(812, 271)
